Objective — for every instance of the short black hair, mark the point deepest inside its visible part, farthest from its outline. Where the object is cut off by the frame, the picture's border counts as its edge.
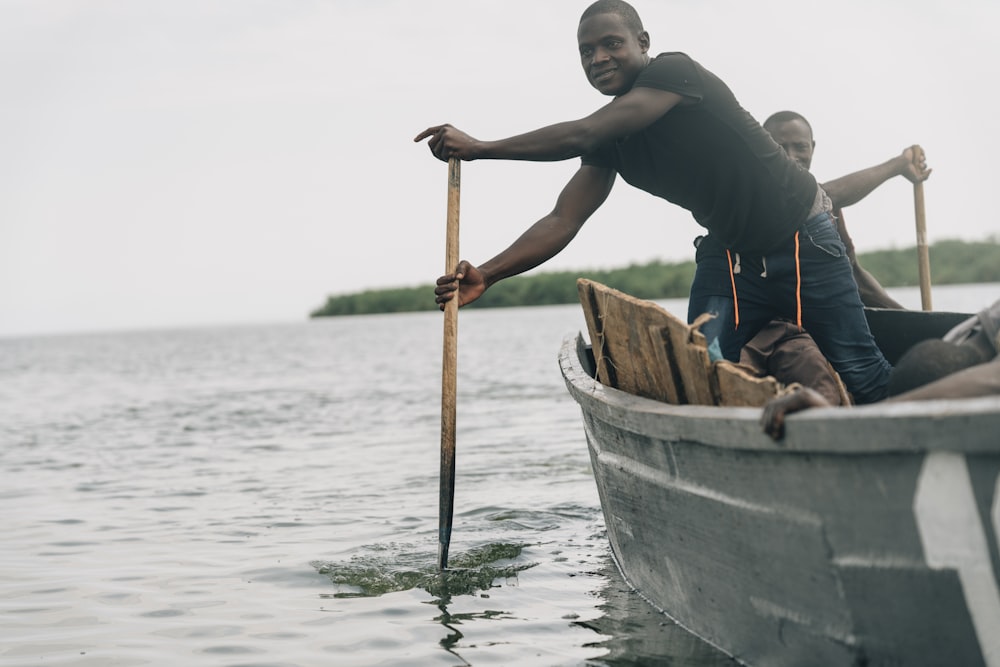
(784, 117)
(620, 8)
(930, 360)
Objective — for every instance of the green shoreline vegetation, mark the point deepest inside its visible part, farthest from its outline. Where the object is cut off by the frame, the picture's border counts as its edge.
(952, 262)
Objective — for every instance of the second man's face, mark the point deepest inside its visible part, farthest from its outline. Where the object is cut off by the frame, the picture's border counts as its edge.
(796, 138)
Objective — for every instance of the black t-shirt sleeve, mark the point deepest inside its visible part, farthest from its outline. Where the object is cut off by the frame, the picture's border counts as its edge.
(673, 72)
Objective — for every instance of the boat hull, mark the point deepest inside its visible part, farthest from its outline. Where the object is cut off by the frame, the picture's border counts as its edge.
(867, 536)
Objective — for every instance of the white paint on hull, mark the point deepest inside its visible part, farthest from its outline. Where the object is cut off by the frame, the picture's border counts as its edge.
(953, 538)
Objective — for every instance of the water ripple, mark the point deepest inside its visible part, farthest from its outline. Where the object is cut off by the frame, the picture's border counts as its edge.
(390, 570)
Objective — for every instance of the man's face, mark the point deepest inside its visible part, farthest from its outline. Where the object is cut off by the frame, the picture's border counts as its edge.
(611, 55)
(796, 138)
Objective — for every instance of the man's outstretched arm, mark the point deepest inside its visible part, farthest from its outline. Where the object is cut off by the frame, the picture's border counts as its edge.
(852, 188)
(633, 111)
(583, 194)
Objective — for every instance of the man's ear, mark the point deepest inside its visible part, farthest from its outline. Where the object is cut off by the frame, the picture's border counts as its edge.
(644, 41)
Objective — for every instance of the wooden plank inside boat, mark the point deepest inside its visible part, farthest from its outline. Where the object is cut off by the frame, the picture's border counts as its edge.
(737, 387)
(641, 348)
(690, 358)
(627, 335)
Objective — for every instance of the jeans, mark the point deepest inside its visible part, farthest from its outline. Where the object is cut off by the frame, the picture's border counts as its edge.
(832, 311)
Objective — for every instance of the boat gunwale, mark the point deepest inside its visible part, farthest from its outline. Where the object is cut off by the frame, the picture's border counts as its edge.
(939, 425)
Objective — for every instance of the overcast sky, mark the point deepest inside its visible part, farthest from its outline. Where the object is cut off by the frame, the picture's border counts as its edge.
(186, 162)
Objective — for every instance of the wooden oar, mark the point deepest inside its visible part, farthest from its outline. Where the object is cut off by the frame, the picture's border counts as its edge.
(449, 368)
(923, 257)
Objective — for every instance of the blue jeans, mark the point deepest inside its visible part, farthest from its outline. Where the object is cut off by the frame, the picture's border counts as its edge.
(832, 311)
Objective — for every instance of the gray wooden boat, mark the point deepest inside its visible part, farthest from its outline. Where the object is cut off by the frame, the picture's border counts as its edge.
(870, 535)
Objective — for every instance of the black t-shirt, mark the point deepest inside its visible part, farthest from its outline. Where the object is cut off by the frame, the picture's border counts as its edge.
(713, 159)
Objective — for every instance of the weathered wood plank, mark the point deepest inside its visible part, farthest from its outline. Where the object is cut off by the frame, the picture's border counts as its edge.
(643, 349)
(669, 379)
(595, 327)
(630, 349)
(690, 353)
(737, 387)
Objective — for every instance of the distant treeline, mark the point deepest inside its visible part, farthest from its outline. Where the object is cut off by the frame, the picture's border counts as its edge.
(952, 262)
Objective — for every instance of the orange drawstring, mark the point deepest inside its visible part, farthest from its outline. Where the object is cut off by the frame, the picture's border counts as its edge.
(732, 279)
(798, 284)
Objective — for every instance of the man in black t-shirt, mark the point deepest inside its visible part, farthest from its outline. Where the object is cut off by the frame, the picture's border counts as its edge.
(675, 130)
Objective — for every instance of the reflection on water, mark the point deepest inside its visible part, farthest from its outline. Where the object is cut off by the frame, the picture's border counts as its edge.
(628, 628)
(637, 634)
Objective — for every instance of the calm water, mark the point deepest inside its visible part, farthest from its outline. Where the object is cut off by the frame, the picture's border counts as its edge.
(268, 496)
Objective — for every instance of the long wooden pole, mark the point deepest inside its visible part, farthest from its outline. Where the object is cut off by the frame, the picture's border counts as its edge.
(923, 256)
(449, 371)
